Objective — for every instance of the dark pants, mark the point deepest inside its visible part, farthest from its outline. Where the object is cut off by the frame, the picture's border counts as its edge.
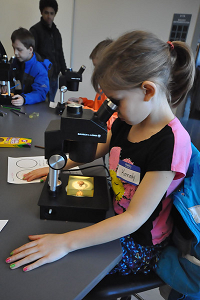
(53, 88)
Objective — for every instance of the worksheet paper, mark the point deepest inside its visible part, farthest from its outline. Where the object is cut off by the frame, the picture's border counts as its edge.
(18, 166)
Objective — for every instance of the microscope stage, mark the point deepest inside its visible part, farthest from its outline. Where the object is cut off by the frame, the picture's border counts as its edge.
(60, 206)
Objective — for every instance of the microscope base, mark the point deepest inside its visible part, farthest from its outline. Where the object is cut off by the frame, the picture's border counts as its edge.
(60, 108)
(5, 100)
(60, 206)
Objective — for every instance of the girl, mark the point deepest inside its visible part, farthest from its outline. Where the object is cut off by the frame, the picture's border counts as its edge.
(149, 154)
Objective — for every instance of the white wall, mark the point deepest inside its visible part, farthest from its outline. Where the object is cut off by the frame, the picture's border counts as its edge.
(25, 13)
(95, 20)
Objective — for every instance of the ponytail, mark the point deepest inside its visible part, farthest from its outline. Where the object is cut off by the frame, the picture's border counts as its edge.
(138, 56)
(182, 73)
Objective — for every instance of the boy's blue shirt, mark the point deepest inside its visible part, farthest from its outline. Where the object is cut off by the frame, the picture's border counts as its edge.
(35, 81)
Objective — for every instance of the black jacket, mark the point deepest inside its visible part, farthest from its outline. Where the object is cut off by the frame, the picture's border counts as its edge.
(48, 43)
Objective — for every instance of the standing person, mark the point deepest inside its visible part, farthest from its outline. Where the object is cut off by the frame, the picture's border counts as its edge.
(149, 154)
(100, 97)
(29, 69)
(48, 42)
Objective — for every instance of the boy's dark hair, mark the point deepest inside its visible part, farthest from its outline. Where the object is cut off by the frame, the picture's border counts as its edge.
(48, 3)
(24, 36)
(100, 47)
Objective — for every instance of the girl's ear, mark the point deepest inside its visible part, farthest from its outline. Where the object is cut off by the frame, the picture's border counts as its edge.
(149, 89)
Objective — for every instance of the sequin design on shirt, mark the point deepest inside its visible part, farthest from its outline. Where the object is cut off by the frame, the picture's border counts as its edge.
(123, 191)
(137, 258)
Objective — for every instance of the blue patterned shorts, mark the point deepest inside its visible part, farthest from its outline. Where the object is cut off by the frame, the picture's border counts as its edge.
(137, 258)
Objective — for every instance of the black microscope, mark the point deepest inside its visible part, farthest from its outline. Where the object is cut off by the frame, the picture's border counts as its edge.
(68, 82)
(77, 133)
(5, 79)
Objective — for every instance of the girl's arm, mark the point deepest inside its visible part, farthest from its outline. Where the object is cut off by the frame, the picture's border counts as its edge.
(48, 248)
(102, 149)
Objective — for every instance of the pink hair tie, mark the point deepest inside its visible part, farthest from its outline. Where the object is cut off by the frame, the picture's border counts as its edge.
(171, 45)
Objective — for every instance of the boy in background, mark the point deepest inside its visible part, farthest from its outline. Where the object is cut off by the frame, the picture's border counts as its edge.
(100, 97)
(48, 42)
(28, 69)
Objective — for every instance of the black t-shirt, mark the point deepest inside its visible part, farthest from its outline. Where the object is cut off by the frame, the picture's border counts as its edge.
(129, 162)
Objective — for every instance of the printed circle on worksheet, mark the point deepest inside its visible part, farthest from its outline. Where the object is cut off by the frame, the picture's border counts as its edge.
(20, 174)
(26, 163)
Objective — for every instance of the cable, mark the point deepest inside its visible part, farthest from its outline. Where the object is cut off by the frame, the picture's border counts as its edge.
(75, 170)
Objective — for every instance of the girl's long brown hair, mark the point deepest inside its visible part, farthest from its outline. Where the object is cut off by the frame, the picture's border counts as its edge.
(138, 56)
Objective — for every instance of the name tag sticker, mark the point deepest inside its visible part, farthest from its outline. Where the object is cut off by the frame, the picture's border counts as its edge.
(129, 173)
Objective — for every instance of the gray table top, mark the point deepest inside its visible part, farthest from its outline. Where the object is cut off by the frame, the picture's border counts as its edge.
(69, 278)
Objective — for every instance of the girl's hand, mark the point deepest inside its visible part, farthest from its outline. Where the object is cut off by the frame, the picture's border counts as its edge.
(17, 100)
(43, 249)
(38, 173)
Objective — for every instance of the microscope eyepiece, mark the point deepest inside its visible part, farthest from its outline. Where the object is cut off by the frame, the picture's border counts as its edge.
(112, 105)
(82, 69)
(106, 110)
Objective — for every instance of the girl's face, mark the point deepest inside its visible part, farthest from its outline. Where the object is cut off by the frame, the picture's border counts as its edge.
(132, 106)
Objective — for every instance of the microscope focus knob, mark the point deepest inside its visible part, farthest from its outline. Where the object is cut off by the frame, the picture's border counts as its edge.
(63, 89)
(57, 161)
